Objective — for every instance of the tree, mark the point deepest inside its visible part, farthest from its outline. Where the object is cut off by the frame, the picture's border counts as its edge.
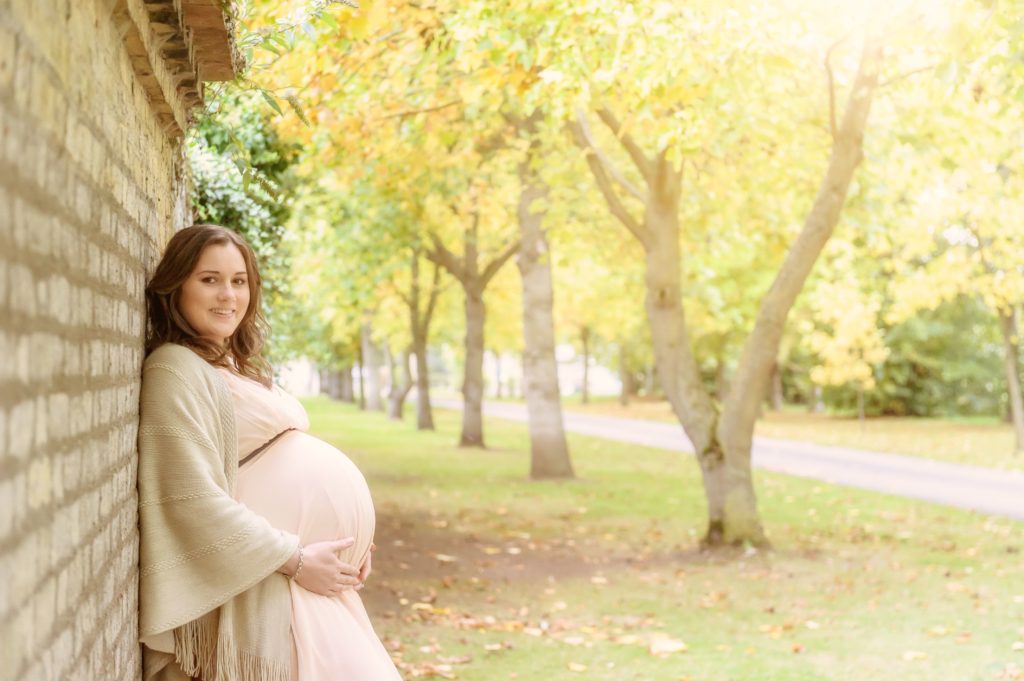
(549, 451)
(721, 438)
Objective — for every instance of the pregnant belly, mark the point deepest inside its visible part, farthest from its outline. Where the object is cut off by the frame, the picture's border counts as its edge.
(303, 485)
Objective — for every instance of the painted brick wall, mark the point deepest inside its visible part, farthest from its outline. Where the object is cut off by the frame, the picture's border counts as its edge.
(89, 193)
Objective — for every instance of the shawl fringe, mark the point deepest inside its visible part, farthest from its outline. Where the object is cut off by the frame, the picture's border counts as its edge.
(204, 654)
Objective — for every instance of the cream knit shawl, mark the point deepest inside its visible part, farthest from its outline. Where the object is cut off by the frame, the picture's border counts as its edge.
(207, 564)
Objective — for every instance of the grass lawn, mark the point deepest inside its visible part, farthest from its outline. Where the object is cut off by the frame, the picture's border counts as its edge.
(979, 441)
(483, 575)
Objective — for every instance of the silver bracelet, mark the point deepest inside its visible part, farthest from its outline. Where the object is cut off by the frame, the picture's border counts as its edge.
(299, 568)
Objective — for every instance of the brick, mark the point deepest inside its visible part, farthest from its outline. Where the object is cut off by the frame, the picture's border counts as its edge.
(23, 294)
(23, 76)
(58, 417)
(8, 51)
(63, 654)
(42, 432)
(3, 436)
(44, 605)
(80, 414)
(21, 425)
(40, 484)
(59, 298)
(3, 278)
(6, 513)
(23, 364)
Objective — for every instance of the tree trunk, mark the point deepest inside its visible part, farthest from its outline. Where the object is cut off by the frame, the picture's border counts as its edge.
(585, 341)
(497, 375)
(777, 398)
(371, 369)
(650, 376)
(625, 377)
(424, 414)
(721, 380)
(344, 381)
(400, 386)
(473, 377)
(419, 326)
(1011, 366)
(362, 382)
(549, 451)
(816, 405)
(860, 405)
(732, 509)
(761, 350)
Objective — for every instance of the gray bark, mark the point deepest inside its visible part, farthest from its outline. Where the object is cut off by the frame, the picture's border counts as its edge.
(549, 451)
(361, 368)
(344, 379)
(371, 369)
(776, 397)
(625, 377)
(401, 384)
(721, 379)
(585, 340)
(419, 324)
(1011, 366)
(473, 377)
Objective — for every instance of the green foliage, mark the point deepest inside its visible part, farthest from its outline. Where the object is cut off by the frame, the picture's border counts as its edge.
(930, 370)
(242, 179)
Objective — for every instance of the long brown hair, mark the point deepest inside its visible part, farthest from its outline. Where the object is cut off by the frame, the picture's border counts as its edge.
(168, 325)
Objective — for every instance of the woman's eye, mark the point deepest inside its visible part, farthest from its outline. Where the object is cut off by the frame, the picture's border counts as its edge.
(240, 282)
(208, 280)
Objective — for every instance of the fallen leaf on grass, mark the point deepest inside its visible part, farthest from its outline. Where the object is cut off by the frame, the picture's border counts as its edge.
(914, 655)
(664, 646)
(444, 558)
(577, 667)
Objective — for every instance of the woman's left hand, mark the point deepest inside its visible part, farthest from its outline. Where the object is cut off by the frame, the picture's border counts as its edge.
(366, 568)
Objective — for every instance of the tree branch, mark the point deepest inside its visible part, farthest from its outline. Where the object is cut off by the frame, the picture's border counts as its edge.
(435, 292)
(833, 129)
(405, 299)
(440, 255)
(640, 159)
(907, 74)
(413, 112)
(495, 265)
(609, 165)
(605, 185)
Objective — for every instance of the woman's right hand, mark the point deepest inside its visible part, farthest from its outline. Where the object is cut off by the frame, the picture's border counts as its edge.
(323, 572)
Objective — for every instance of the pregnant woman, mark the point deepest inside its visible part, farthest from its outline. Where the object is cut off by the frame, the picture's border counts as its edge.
(255, 535)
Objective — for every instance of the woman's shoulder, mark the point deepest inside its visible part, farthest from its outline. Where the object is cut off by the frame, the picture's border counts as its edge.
(180, 360)
(173, 354)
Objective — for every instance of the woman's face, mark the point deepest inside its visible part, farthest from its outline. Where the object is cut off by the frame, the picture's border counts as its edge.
(215, 296)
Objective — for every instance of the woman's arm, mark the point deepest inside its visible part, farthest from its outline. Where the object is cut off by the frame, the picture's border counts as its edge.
(322, 571)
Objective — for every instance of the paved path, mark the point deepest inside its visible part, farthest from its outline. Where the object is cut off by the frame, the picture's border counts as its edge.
(980, 489)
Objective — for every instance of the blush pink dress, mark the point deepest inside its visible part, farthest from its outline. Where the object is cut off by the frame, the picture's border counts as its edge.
(303, 485)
